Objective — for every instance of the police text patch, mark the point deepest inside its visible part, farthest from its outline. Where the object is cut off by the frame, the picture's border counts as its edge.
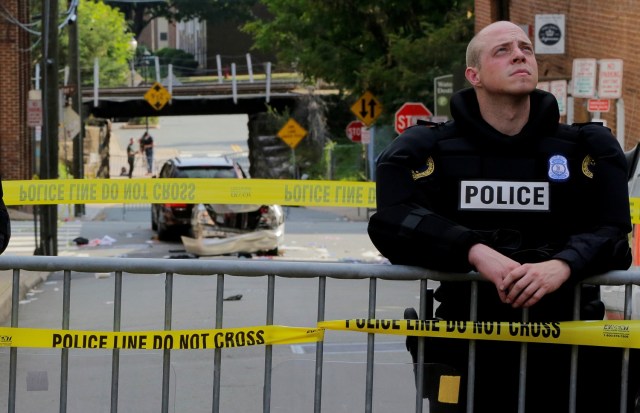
(504, 195)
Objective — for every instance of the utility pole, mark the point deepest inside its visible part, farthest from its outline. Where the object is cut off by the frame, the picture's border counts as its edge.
(51, 107)
(76, 103)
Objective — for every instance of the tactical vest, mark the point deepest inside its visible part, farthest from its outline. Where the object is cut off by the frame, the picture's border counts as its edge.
(525, 197)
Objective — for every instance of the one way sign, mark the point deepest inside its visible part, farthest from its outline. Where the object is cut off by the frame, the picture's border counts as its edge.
(367, 108)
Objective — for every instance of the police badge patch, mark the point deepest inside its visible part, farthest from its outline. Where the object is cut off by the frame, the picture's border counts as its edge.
(426, 171)
(558, 168)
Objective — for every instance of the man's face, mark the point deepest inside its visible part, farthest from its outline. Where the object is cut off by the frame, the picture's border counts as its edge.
(507, 61)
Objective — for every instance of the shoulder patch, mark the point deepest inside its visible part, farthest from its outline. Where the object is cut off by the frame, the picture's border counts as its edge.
(587, 163)
(424, 172)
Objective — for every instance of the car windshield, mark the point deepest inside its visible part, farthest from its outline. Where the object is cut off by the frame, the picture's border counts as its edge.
(200, 172)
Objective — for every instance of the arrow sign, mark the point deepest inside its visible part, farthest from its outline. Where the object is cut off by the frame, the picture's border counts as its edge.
(372, 108)
(367, 108)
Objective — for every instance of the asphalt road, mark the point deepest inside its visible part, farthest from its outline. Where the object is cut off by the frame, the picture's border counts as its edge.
(311, 235)
(320, 234)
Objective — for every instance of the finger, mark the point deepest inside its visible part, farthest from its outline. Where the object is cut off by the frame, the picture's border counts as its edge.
(528, 296)
(502, 295)
(521, 291)
(534, 299)
(513, 290)
(512, 277)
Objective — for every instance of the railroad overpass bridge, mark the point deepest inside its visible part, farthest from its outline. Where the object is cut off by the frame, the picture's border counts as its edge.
(193, 99)
(268, 155)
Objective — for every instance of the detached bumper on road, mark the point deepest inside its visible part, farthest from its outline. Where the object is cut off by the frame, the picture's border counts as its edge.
(257, 241)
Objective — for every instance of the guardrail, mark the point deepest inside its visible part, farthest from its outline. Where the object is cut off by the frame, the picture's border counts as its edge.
(269, 269)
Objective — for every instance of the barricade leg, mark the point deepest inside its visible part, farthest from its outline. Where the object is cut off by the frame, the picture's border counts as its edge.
(440, 382)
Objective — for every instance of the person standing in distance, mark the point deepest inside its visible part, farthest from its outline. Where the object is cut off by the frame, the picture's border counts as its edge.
(503, 190)
(131, 156)
(146, 146)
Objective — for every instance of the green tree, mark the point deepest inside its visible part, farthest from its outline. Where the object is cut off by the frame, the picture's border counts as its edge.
(393, 48)
(103, 34)
(184, 63)
(140, 13)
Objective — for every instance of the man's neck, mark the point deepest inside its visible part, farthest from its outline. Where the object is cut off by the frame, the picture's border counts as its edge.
(507, 115)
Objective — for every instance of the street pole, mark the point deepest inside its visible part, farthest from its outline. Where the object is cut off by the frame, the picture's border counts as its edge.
(371, 155)
(146, 72)
(76, 105)
(51, 106)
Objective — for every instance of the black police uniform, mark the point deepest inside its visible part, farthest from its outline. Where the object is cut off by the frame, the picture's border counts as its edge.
(552, 191)
(5, 223)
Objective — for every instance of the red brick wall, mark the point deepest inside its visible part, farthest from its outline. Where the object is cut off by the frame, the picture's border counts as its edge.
(16, 150)
(483, 13)
(594, 29)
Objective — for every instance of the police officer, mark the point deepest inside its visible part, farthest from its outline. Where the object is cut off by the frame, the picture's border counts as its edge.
(5, 223)
(532, 205)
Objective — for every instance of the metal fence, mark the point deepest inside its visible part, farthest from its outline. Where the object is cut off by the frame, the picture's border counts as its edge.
(223, 269)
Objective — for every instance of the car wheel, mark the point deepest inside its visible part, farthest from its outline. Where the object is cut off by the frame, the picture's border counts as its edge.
(154, 225)
(163, 232)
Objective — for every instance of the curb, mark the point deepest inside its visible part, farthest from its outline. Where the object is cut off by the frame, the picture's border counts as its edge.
(28, 281)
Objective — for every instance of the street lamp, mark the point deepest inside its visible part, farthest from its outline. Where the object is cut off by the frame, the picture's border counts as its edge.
(145, 63)
(133, 47)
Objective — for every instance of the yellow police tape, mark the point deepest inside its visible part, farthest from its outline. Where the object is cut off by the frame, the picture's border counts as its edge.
(191, 191)
(606, 333)
(619, 333)
(155, 340)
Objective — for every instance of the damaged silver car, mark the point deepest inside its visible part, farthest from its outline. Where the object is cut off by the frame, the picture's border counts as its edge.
(217, 229)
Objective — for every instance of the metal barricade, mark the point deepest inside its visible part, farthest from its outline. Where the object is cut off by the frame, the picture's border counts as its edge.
(222, 269)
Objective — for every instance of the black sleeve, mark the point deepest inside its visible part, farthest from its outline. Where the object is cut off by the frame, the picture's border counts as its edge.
(5, 224)
(413, 235)
(606, 246)
(403, 228)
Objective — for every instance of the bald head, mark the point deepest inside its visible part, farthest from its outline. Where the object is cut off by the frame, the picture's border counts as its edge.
(477, 44)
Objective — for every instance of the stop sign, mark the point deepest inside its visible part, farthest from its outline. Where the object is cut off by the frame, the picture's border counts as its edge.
(354, 130)
(409, 114)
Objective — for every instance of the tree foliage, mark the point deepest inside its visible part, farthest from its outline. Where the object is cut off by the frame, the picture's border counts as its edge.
(184, 63)
(139, 14)
(103, 34)
(394, 48)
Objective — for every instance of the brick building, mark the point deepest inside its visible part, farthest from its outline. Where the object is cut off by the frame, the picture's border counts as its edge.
(16, 149)
(594, 29)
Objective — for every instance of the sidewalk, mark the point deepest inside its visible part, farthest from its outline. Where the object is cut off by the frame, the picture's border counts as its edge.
(28, 279)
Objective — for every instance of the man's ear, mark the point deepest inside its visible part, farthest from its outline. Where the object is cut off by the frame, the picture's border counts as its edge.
(472, 75)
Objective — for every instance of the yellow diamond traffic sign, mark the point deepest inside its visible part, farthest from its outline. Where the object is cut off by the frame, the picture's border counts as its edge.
(367, 108)
(292, 133)
(157, 96)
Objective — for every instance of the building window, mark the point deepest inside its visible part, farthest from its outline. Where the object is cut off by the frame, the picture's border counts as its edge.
(499, 10)
(163, 36)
